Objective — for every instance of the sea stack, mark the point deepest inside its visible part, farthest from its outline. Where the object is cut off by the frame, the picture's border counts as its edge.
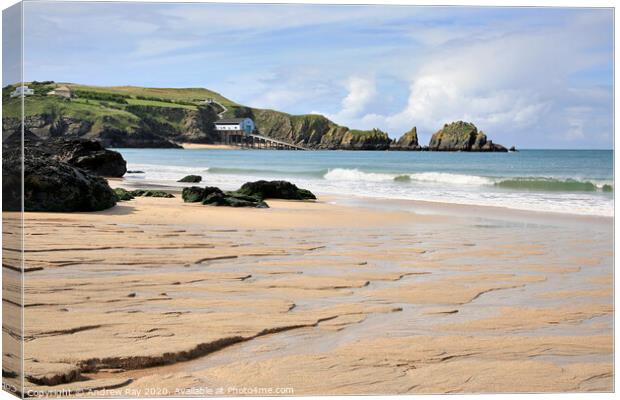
(408, 141)
(462, 136)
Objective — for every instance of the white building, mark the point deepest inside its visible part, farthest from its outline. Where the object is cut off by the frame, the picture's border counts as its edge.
(22, 91)
(61, 91)
(230, 125)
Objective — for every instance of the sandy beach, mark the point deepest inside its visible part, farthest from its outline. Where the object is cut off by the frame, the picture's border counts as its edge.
(159, 297)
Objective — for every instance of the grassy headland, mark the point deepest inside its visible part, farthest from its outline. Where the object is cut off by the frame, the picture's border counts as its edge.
(131, 116)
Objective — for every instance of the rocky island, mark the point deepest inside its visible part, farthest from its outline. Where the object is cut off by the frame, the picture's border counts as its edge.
(462, 136)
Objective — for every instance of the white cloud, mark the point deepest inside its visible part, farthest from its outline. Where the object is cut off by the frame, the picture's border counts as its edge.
(361, 92)
(508, 83)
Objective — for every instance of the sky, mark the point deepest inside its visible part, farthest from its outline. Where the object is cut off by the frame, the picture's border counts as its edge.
(530, 77)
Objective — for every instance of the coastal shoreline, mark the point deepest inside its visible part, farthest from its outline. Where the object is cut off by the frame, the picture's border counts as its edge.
(415, 206)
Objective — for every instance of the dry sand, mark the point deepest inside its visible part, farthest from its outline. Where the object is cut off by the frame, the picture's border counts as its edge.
(158, 297)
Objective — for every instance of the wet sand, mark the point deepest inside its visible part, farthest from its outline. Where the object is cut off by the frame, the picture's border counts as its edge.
(158, 297)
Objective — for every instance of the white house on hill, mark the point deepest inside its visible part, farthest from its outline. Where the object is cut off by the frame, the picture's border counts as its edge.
(22, 91)
(245, 125)
(60, 91)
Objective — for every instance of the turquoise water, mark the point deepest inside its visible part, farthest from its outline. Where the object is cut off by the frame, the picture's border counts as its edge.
(569, 181)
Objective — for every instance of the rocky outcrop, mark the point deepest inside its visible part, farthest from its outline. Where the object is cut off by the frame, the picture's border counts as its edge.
(251, 194)
(125, 195)
(86, 154)
(312, 131)
(191, 179)
(408, 141)
(211, 195)
(365, 140)
(462, 136)
(151, 193)
(275, 190)
(50, 184)
(193, 194)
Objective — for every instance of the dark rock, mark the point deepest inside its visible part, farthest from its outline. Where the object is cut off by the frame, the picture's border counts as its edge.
(222, 199)
(86, 154)
(462, 136)
(150, 193)
(245, 197)
(490, 146)
(51, 185)
(191, 179)
(211, 195)
(122, 194)
(275, 190)
(193, 194)
(513, 149)
(134, 172)
(408, 141)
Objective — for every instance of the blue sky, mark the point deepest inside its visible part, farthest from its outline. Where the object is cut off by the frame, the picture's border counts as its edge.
(533, 77)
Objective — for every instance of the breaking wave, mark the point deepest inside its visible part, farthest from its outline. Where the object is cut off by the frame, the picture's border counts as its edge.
(345, 174)
(553, 185)
(521, 183)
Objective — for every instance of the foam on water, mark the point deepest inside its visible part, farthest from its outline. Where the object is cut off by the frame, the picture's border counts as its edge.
(549, 181)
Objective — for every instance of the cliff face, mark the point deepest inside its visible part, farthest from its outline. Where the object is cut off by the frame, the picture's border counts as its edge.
(462, 136)
(147, 126)
(312, 131)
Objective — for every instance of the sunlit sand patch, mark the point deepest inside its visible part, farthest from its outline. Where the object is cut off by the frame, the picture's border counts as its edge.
(276, 271)
(552, 269)
(570, 294)
(306, 262)
(522, 318)
(586, 261)
(429, 365)
(602, 279)
(455, 289)
(338, 324)
(312, 282)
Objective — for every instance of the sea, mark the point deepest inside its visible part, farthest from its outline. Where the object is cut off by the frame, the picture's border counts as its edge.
(558, 181)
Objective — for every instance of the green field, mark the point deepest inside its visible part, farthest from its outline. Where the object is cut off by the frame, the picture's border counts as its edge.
(193, 95)
(157, 103)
